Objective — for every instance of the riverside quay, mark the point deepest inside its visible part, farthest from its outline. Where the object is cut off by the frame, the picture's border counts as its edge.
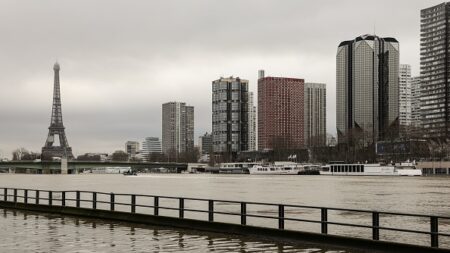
(201, 214)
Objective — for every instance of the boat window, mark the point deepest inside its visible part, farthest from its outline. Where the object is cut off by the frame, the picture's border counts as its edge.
(362, 168)
(287, 168)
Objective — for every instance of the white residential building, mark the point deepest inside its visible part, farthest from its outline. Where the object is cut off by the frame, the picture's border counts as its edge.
(315, 114)
(251, 123)
(415, 102)
(405, 98)
(177, 127)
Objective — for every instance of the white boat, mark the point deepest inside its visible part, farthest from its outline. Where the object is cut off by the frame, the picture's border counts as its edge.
(235, 168)
(408, 169)
(276, 169)
(369, 170)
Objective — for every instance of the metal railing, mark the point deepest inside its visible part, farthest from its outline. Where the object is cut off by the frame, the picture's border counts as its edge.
(74, 199)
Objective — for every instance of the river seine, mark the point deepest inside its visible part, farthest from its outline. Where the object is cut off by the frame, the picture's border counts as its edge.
(51, 233)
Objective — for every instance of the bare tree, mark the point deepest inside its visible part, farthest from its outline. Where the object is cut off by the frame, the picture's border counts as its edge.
(157, 157)
(119, 156)
(24, 154)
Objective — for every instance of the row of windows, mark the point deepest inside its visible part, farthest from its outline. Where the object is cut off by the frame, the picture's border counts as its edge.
(347, 168)
(274, 169)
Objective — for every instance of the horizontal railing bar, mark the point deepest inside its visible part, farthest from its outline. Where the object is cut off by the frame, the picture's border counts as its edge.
(248, 203)
(411, 231)
(169, 208)
(195, 210)
(228, 213)
(103, 202)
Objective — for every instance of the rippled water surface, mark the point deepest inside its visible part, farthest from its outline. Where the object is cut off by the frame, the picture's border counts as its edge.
(423, 195)
(34, 232)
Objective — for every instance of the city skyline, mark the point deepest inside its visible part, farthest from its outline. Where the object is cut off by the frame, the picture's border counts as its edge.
(110, 80)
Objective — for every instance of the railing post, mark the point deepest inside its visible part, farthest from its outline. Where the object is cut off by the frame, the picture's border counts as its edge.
(181, 209)
(280, 216)
(50, 198)
(37, 197)
(211, 210)
(243, 213)
(15, 195)
(375, 226)
(5, 194)
(63, 198)
(324, 220)
(156, 206)
(94, 200)
(434, 231)
(112, 202)
(25, 196)
(78, 199)
(133, 203)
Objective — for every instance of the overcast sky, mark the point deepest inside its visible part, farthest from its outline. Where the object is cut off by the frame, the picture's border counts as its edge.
(120, 60)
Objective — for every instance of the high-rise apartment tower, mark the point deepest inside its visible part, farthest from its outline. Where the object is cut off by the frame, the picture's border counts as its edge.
(435, 71)
(251, 123)
(367, 71)
(280, 113)
(230, 115)
(315, 114)
(405, 98)
(177, 128)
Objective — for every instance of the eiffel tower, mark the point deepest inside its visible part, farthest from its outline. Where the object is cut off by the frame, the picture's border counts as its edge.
(56, 129)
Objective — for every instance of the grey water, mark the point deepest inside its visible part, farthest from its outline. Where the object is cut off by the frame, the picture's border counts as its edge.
(422, 195)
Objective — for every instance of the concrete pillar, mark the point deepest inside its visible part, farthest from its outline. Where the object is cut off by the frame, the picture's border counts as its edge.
(64, 167)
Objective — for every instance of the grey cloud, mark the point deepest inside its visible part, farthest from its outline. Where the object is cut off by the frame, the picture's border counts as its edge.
(121, 59)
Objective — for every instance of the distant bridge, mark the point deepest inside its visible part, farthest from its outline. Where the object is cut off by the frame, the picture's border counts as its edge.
(54, 167)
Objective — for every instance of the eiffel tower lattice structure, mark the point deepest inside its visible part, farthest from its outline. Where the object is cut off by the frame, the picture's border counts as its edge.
(56, 130)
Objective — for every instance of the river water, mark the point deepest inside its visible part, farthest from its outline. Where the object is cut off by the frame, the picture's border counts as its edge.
(423, 195)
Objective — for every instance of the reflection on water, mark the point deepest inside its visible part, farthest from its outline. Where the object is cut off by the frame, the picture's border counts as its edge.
(36, 232)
